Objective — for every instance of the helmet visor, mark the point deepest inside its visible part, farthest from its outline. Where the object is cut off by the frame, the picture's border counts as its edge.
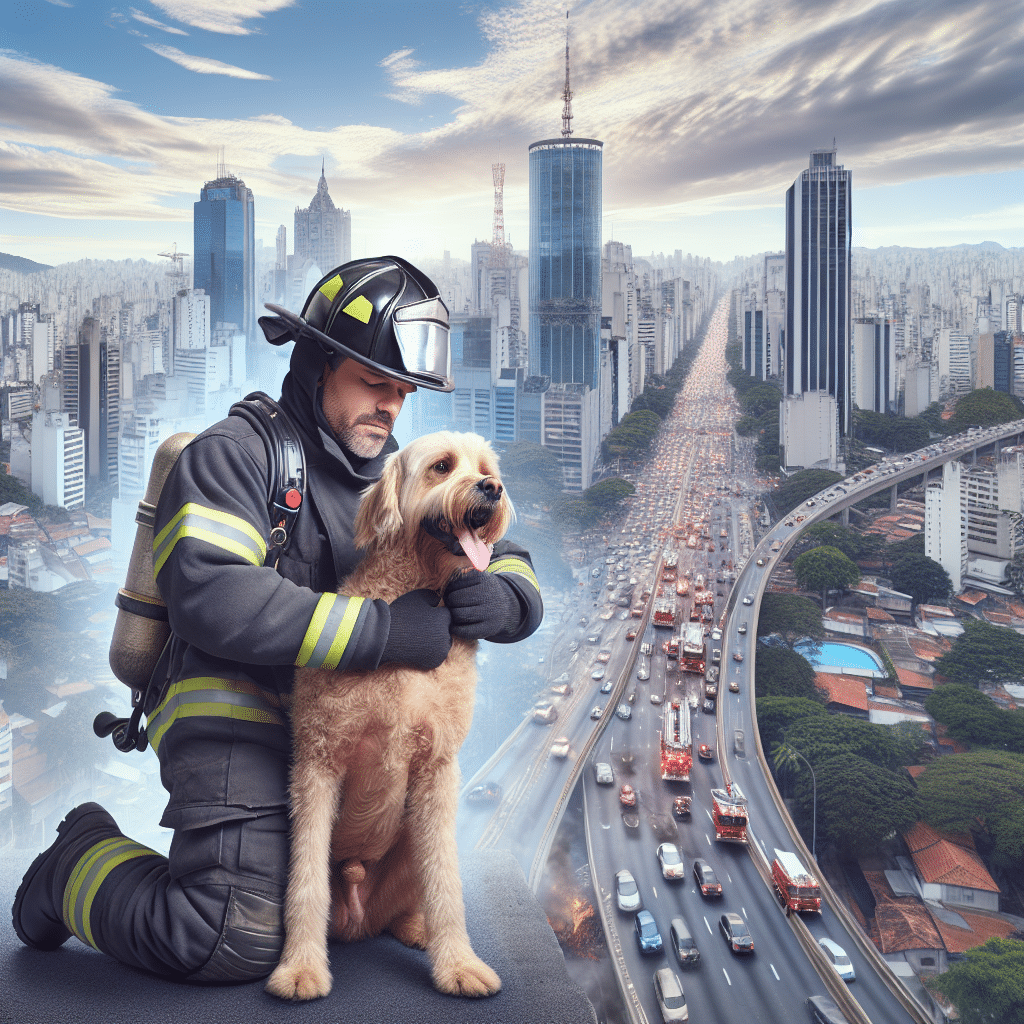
(421, 330)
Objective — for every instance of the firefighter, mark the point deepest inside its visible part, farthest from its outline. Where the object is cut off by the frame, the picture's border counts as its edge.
(370, 333)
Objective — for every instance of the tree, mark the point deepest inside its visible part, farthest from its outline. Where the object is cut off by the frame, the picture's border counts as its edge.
(932, 416)
(981, 792)
(985, 408)
(984, 653)
(609, 494)
(781, 672)
(776, 714)
(820, 739)
(790, 617)
(842, 538)
(531, 472)
(575, 514)
(892, 553)
(824, 569)
(1015, 573)
(968, 714)
(922, 578)
(761, 399)
(988, 984)
(859, 803)
(801, 486)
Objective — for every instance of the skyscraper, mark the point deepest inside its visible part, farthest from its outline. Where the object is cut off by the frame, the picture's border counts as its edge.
(323, 233)
(818, 247)
(224, 252)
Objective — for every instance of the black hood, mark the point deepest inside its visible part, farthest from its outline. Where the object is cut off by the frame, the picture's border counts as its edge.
(301, 396)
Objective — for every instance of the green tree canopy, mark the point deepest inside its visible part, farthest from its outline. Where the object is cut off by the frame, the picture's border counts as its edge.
(985, 408)
(984, 653)
(776, 714)
(781, 672)
(892, 553)
(819, 739)
(932, 416)
(760, 399)
(897, 433)
(922, 578)
(859, 803)
(608, 494)
(988, 984)
(575, 514)
(801, 486)
(825, 569)
(790, 617)
(852, 544)
(531, 472)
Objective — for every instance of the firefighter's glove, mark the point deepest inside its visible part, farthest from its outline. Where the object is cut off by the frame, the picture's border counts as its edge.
(482, 604)
(419, 634)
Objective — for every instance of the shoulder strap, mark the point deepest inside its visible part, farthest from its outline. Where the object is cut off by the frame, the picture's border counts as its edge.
(286, 477)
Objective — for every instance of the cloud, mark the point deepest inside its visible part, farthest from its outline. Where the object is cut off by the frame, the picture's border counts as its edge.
(224, 16)
(153, 23)
(204, 65)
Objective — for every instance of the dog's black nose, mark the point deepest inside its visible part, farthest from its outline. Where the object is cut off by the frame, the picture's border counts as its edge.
(491, 488)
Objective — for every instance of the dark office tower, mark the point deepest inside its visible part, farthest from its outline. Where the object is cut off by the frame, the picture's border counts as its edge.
(92, 395)
(565, 260)
(323, 233)
(224, 252)
(818, 279)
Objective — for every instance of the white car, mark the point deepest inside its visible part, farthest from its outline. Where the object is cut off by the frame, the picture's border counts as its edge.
(836, 956)
(671, 861)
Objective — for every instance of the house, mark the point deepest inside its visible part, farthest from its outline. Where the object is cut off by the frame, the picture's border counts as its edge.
(844, 694)
(905, 928)
(950, 869)
(914, 685)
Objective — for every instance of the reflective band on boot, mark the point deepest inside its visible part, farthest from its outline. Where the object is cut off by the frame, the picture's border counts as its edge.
(88, 875)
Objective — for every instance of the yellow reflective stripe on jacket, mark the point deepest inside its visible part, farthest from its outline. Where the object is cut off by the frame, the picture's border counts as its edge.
(222, 529)
(517, 567)
(329, 632)
(89, 874)
(213, 697)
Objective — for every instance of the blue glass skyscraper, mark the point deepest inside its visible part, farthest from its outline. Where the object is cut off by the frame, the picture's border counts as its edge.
(565, 260)
(224, 252)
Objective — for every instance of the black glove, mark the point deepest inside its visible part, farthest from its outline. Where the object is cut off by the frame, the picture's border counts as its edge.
(482, 605)
(419, 634)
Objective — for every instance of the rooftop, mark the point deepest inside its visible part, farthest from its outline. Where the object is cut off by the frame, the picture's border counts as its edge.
(946, 858)
(848, 691)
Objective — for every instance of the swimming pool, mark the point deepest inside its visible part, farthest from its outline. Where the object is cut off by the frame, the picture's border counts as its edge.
(833, 657)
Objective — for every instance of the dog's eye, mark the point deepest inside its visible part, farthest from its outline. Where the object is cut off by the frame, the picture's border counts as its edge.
(442, 467)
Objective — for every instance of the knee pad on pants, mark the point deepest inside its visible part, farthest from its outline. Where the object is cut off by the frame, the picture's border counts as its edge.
(250, 941)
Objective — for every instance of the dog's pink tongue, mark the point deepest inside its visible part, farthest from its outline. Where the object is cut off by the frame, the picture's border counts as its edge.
(476, 550)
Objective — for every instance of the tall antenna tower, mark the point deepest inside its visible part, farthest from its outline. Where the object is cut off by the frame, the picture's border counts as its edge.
(498, 239)
(566, 92)
(222, 171)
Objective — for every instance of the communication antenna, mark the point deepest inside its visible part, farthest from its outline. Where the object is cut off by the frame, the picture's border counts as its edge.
(222, 171)
(566, 92)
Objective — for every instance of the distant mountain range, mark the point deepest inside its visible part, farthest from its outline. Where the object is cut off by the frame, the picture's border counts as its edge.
(20, 265)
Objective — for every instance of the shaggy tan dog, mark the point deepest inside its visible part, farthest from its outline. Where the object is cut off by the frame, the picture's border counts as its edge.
(375, 779)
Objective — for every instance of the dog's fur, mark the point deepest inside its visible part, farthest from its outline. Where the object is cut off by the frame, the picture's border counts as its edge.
(375, 778)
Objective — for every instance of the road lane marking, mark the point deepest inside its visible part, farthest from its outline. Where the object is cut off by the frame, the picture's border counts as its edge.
(727, 978)
(708, 838)
(706, 925)
(743, 911)
(654, 889)
(603, 825)
(775, 972)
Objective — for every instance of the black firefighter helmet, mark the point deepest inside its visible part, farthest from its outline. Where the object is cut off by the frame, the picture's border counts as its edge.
(381, 311)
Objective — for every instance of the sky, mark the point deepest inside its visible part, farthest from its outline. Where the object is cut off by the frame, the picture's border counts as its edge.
(112, 116)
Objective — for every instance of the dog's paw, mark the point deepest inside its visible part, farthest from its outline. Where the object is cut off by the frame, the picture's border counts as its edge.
(410, 929)
(468, 976)
(299, 981)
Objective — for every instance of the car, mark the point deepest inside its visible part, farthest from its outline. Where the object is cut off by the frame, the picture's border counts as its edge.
(836, 956)
(734, 686)
(737, 655)
(704, 876)
(560, 747)
(627, 796)
(682, 943)
(736, 933)
(671, 861)
(627, 895)
(656, 698)
(711, 675)
(604, 657)
(574, 645)
(624, 711)
(738, 745)
(761, 562)
(716, 655)
(561, 690)
(485, 793)
(647, 648)
(742, 629)
(631, 634)
(594, 638)
(544, 712)
(643, 673)
(596, 712)
(749, 599)
(648, 938)
(668, 991)
(716, 633)
(603, 773)
(607, 686)
(681, 807)
(706, 752)
(710, 689)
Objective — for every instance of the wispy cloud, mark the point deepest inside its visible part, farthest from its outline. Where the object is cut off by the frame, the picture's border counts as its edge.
(227, 17)
(153, 23)
(204, 65)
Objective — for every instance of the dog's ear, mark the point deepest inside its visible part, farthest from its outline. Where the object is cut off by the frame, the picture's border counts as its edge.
(379, 518)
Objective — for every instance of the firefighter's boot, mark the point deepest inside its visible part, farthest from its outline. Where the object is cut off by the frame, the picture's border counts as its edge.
(38, 911)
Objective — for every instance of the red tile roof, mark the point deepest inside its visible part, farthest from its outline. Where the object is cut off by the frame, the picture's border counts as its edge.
(982, 928)
(917, 680)
(879, 615)
(945, 859)
(903, 922)
(846, 690)
(916, 769)
(972, 597)
(881, 690)
(997, 618)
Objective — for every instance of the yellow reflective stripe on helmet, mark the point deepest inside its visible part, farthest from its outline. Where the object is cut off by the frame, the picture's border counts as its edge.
(213, 697)
(221, 529)
(361, 308)
(517, 567)
(331, 287)
(329, 632)
(89, 873)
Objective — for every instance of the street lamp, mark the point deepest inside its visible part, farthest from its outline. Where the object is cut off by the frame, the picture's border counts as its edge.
(785, 754)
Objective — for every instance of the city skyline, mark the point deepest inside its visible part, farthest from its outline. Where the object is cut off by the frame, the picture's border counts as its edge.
(114, 117)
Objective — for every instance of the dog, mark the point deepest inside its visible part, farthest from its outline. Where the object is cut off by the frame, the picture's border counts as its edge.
(375, 777)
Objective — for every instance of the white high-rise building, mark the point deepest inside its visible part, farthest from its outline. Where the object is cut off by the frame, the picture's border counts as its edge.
(945, 523)
(58, 460)
(191, 319)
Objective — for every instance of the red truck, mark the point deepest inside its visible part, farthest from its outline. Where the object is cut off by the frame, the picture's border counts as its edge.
(665, 608)
(693, 648)
(729, 814)
(669, 566)
(676, 744)
(795, 887)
